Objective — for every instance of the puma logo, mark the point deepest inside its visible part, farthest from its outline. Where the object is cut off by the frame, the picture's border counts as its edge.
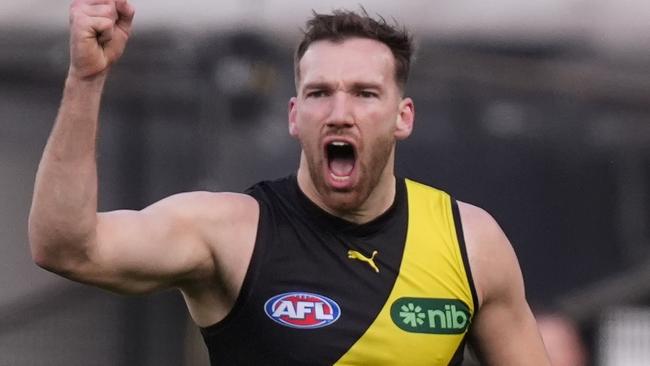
(353, 254)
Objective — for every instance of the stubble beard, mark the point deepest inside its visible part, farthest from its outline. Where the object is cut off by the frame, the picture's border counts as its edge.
(370, 174)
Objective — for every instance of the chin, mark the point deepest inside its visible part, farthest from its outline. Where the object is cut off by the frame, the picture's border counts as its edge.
(341, 199)
(344, 200)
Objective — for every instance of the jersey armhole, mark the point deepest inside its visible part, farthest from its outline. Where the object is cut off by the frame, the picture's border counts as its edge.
(249, 278)
(463, 252)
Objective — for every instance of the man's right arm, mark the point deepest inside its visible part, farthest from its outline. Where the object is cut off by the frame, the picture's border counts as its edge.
(170, 243)
(64, 205)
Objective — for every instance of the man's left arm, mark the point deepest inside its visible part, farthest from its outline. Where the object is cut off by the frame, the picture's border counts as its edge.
(504, 331)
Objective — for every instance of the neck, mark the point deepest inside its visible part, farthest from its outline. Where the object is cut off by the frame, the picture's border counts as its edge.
(381, 196)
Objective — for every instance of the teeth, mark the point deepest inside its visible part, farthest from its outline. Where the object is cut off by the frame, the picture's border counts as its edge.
(339, 179)
(339, 143)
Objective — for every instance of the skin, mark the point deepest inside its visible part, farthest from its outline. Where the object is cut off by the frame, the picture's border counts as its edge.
(347, 91)
(201, 242)
(562, 340)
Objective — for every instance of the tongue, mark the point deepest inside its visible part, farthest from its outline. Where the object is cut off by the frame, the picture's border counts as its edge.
(341, 167)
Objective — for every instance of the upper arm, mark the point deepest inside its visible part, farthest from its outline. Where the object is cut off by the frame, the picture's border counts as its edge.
(504, 330)
(178, 239)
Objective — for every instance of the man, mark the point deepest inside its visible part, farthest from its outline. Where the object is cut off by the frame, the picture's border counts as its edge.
(342, 263)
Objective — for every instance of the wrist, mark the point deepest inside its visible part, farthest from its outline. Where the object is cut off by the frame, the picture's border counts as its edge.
(76, 77)
(83, 93)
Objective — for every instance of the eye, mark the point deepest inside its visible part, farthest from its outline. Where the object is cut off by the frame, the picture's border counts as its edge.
(367, 94)
(317, 93)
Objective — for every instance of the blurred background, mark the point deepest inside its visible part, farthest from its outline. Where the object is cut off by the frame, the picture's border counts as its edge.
(537, 111)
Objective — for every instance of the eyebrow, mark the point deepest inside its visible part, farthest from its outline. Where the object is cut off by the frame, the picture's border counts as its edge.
(360, 85)
(366, 85)
(317, 85)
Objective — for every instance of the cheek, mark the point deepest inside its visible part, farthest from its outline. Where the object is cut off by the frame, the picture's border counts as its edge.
(379, 135)
(307, 135)
(377, 143)
(381, 126)
(307, 119)
(314, 108)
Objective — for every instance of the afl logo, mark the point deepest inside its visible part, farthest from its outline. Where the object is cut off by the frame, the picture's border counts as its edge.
(302, 310)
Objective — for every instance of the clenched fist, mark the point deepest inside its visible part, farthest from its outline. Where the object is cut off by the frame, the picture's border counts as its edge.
(99, 30)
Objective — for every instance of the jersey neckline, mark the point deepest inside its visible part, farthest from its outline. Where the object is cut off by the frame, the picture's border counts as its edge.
(339, 224)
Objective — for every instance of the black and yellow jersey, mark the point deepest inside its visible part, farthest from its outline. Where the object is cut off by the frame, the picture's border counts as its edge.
(320, 290)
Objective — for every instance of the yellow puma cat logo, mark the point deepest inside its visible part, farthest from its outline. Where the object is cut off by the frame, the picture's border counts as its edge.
(353, 254)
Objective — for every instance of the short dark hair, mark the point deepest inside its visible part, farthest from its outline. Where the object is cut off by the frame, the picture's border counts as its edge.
(344, 24)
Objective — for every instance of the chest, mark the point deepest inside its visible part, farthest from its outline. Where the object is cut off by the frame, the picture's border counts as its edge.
(342, 299)
(316, 296)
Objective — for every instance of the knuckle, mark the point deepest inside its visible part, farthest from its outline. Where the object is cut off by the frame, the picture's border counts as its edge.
(107, 23)
(75, 15)
(77, 12)
(76, 4)
(74, 9)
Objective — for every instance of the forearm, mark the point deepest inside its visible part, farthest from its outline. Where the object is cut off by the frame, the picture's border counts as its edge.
(63, 214)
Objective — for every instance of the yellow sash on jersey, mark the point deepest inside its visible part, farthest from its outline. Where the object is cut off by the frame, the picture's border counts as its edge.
(430, 306)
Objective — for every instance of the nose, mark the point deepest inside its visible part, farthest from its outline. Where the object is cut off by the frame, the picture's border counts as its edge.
(340, 115)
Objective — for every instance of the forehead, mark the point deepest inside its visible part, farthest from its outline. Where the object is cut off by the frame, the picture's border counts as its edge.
(350, 60)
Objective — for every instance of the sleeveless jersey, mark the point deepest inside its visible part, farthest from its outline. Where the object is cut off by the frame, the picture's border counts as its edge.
(320, 290)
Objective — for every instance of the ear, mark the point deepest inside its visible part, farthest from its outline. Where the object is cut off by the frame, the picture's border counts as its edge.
(293, 126)
(405, 119)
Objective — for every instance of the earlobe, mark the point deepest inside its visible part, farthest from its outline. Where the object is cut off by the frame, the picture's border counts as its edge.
(405, 119)
(293, 128)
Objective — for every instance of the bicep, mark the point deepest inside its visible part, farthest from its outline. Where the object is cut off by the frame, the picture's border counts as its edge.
(141, 251)
(504, 330)
(166, 244)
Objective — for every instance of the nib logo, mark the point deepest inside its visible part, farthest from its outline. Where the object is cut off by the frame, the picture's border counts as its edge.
(435, 316)
(412, 315)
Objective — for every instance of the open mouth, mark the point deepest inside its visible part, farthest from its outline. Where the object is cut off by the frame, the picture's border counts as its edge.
(341, 158)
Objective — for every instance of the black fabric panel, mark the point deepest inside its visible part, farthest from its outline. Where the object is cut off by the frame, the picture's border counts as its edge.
(303, 248)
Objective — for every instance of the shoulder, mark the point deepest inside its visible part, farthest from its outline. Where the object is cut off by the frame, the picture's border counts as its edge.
(271, 190)
(203, 205)
(479, 223)
(225, 222)
(491, 257)
(218, 218)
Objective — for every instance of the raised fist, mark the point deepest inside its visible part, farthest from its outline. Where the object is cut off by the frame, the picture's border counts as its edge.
(99, 30)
